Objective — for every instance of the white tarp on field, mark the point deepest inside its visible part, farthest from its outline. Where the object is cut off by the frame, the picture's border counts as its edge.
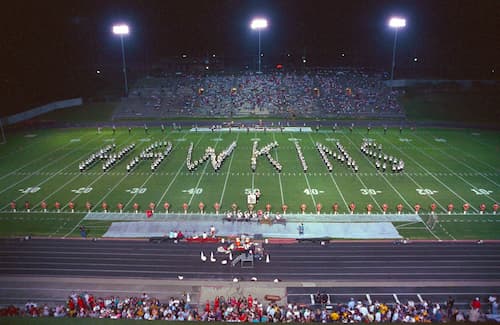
(349, 230)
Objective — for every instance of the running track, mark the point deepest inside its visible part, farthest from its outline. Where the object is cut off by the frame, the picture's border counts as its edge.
(427, 269)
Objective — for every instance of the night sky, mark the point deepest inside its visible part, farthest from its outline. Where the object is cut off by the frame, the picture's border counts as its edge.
(46, 43)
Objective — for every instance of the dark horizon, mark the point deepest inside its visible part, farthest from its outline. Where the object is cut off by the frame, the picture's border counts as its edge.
(46, 43)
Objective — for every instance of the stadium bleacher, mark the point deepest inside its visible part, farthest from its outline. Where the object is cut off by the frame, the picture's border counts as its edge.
(334, 93)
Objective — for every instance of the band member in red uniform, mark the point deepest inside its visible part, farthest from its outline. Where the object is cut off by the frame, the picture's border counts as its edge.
(352, 207)
(43, 205)
(335, 207)
(433, 207)
(466, 207)
(482, 208)
(385, 207)
(450, 208)
(399, 207)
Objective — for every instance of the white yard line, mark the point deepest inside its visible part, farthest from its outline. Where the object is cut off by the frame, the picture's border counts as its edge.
(62, 186)
(406, 202)
(364, 186)
(172, 181)
(495, 168)
(253, 173)
(373, 198)
(49, 154)
(420, 186)
(338, 190)
(279, 174)
(54, 192)
(333, 180)
(446, 231)
(76, 196)
(408, 223)
(462, 163)
(178, 171)
(309, 189)
(455, 174)
(152, 174)
(136, 193)
(203, 172)
(383, 176)
(425, 227)
(57, 230)
(433, 176)
(310, 192)
(57, 190)
(97, 204)
(228, 172)
(52, 161)
(476, 139)
(49, 178)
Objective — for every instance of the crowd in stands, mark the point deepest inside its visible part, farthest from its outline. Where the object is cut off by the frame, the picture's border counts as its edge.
(344, 92)
(250, 309)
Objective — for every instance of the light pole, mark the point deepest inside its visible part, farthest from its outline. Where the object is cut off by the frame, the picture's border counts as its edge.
(259, 24)
(121, 30)
(396, 23)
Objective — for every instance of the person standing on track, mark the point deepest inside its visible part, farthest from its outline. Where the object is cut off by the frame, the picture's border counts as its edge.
(300, 228)
(449, 307)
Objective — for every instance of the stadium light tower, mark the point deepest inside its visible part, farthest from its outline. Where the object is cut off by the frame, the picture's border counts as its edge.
(122, 30)
(259, 24)
(396, 23)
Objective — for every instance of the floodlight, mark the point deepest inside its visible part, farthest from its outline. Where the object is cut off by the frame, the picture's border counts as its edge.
(397, 22)
(120, 29)
(258, 23)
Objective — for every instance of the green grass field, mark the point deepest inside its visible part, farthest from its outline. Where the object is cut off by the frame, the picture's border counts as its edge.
(441, 165)
(453, 106)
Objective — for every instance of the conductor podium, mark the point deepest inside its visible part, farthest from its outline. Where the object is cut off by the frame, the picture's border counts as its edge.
(246, 260)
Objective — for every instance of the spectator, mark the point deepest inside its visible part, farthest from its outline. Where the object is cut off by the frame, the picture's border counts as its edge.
(493, 305)
(475, 304)
(234, 309)
(340, 92)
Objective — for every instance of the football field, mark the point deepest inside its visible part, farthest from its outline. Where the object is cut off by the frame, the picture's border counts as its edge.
(441, 166)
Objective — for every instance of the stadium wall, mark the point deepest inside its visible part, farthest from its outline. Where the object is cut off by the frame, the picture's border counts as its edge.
(43, 110)
(408, 83)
